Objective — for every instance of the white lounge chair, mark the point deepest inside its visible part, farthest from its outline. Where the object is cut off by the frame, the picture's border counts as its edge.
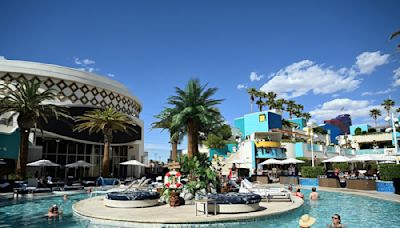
(267, 193)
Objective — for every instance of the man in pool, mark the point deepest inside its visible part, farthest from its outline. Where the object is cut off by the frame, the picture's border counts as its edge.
(53, 211)
(314, 194)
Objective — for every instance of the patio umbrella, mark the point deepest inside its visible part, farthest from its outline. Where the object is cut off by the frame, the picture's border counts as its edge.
(78, 164)
(291, 161)
(43, 163)
(271, 162)
(133, 163)
(3, 163)
(338, 159)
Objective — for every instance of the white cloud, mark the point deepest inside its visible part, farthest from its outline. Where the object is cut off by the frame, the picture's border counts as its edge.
(241, 86)
(84, 64)
(356, 108)
(302, 77)
(111, 75)
(396, 77)
(377, 93)
(368, 61)
(335, 95)
(255, 77)
(2, 57)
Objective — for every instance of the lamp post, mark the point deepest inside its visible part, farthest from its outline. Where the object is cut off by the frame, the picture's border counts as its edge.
(393, 123)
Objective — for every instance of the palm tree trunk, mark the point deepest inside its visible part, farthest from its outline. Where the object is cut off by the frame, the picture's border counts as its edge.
(174, 150)
(190, 138)
(106, 160)
(251, 106)
(23, 153)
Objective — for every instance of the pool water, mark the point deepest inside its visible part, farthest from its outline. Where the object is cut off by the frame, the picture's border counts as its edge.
(355, 211)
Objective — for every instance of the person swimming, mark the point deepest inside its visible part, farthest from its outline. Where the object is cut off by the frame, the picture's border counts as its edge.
(53, 211)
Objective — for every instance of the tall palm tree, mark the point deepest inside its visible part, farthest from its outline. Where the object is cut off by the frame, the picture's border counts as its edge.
(397, 33)
(175, 135)
(375, 113)
(194, 107)
(290, 107)
(298, 110)
(252, 92)
(387, 105)
(107, 121)
(278, 105)
(260, 104)
(306, 116)
(271, 99)
(26, 101)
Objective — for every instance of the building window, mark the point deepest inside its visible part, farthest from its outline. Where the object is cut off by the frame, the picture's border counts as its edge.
(261, 118)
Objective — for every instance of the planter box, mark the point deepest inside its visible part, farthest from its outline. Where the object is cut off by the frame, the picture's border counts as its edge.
(361, 184)
(329, 182)
(308, 181)
(384, 186)
(286, 180)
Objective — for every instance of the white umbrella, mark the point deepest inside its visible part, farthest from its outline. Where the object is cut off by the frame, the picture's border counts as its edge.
(133, 162)
(2, 163)
(338, 159)
(271, 162)
(42, 163)
(387, 162)
(79, 163)
(239, 161)
(363, 157)
(291, 161)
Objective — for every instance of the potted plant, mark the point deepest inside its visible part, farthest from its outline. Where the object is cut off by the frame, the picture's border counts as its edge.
(310, 175)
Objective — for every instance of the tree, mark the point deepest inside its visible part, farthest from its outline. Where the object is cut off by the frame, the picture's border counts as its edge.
(278, 105)
(375, 113)
(194, 108)
(175, 134)
(260, 104)
(290, 107)
(395, 34)
(252, 92)
(270, 99)
(26, 101)
(398, 110)
(306, 116)
(387, 105)
(107, 121)
(219, 137)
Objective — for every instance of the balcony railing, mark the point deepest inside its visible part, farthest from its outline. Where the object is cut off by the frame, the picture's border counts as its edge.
(370, 151)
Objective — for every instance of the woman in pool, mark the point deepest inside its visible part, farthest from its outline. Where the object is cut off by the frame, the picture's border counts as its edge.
(335, 222)
(299, 194)
(53, 211)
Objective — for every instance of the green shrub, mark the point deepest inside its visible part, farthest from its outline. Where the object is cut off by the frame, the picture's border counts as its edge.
(341, 166)
(389, 171)
(357, 131)
(311, 172)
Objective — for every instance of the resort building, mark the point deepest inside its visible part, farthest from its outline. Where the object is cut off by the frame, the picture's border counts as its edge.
(78, 91)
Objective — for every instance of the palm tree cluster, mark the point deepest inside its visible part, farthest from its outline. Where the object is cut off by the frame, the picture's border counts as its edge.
(279, 105)
(28, 101)
(192, 111)
(388, 105)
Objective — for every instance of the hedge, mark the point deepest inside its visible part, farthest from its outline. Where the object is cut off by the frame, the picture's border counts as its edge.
(311, 172)
(389, 171)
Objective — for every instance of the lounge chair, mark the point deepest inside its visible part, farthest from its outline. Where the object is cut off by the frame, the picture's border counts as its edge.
(280, 194)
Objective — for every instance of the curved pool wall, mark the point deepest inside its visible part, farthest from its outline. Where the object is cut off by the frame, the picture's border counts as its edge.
(356, 211)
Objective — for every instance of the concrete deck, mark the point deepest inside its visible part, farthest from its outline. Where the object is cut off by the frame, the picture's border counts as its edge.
(94, 210)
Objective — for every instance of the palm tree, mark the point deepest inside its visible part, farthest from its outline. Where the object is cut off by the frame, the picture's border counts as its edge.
(194, 108)
(107, 121)
(252, 92)
(278, 105)
(387, 105)
(398, 110)
(271, 99)
(290, 108)
(374, 113)
(306, 116)
(165, 122)
(26, 101)
(397, 33)
(260, 104)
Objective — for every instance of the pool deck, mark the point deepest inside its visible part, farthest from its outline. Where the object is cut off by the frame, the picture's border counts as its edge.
(95, 210)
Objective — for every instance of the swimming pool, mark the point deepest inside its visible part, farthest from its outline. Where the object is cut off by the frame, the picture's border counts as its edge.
(356, 211)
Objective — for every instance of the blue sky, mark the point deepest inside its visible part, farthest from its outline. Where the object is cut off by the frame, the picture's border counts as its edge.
(323, 54)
